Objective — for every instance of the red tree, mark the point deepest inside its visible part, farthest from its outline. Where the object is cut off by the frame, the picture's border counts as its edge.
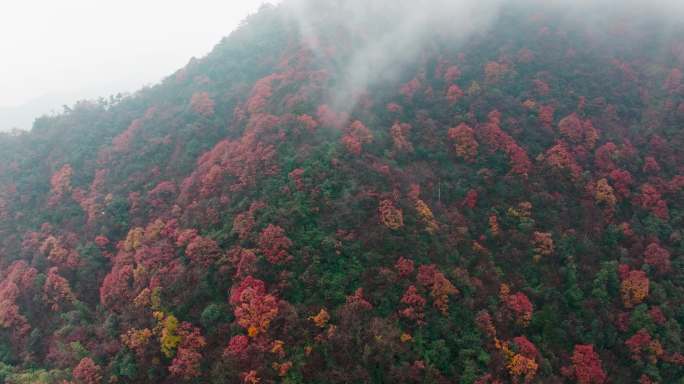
(275, 245)
(415, 303)
(657, 257)
(87, 372)
(465, 143)
(586, 366)
(254, 308)
(201, 103)
(186, 363)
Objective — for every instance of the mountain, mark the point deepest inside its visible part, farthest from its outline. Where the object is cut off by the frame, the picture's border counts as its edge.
(353, 192)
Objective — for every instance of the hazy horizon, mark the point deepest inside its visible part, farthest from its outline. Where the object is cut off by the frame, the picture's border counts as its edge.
(77, 49)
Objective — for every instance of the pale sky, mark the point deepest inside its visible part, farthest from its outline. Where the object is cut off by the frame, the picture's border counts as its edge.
(88, 48)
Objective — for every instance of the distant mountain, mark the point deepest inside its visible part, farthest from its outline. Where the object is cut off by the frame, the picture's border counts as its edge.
(363, 192)
(22, 117)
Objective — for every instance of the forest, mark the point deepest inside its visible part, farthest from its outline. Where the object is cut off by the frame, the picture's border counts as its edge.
(319, 200)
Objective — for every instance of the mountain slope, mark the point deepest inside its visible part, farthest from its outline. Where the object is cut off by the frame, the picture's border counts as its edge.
(319, 200)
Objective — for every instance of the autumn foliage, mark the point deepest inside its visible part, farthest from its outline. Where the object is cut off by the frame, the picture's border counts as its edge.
(338, 199)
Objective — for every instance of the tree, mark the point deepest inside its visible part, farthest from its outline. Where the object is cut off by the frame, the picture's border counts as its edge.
(404, 266)
(415, 305)
(542, 243)
(56, 290)
(274, 245)
(202, 104)
(61, 184)
(440, 287)
(604, 193)
(87, 372)
(399, 132)
(657, 257)
(454, 94)
(634, 286)
(186, 364)
(586, 366)
(356, 135)
(518, 304)
(254, 308)
(641, 345)
(391, 216)
(465, 143)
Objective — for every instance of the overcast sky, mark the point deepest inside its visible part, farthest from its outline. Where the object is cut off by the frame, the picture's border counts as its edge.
(71, 49)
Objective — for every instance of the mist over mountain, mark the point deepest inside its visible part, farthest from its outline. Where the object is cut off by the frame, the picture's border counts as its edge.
(363, 192)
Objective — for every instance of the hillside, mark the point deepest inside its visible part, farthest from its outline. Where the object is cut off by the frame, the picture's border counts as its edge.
(335, 197)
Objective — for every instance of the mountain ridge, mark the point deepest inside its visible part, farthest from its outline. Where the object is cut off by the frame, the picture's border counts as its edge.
(500, 206)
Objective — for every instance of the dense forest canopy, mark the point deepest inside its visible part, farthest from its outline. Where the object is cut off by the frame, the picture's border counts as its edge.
(428, 192)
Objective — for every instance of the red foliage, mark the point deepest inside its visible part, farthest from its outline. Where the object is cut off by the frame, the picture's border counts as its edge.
(465, 143)
(237, 346)
(416, 305)
(391, 216)
(296, 177)
(471, 199)
(328, 117)
(308, 122)
(186, 363)
(560, 157)
(356, 135)
(651, 200)
(358, 302)
(234, 165)
(454, 94)
(275, 245)
(244, 222)
(254, 308)
(244, 260)
(491, 134)
(409, 89)
(261, 93)
(15, 281)
(621, 181)
(605, 155)
(586, 366)
(657, 315)
(399, 132)
(163, 194)
(452, 74)
(440, 287)
(56, 290)
(526, 347)
(102, 241)
(58, 253)
(518, 304)
(546, 115)
(123, 141)
(87, 372)
(484, 322)
(61, 184)
(393, 107)
(641, 345)
(201, 103)
(634, 287)
(404, 266)
(494, 72)
(203, 251)
(250, 285)
(578, 132)
(116, 290)
(657, 257)
(651, 165)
